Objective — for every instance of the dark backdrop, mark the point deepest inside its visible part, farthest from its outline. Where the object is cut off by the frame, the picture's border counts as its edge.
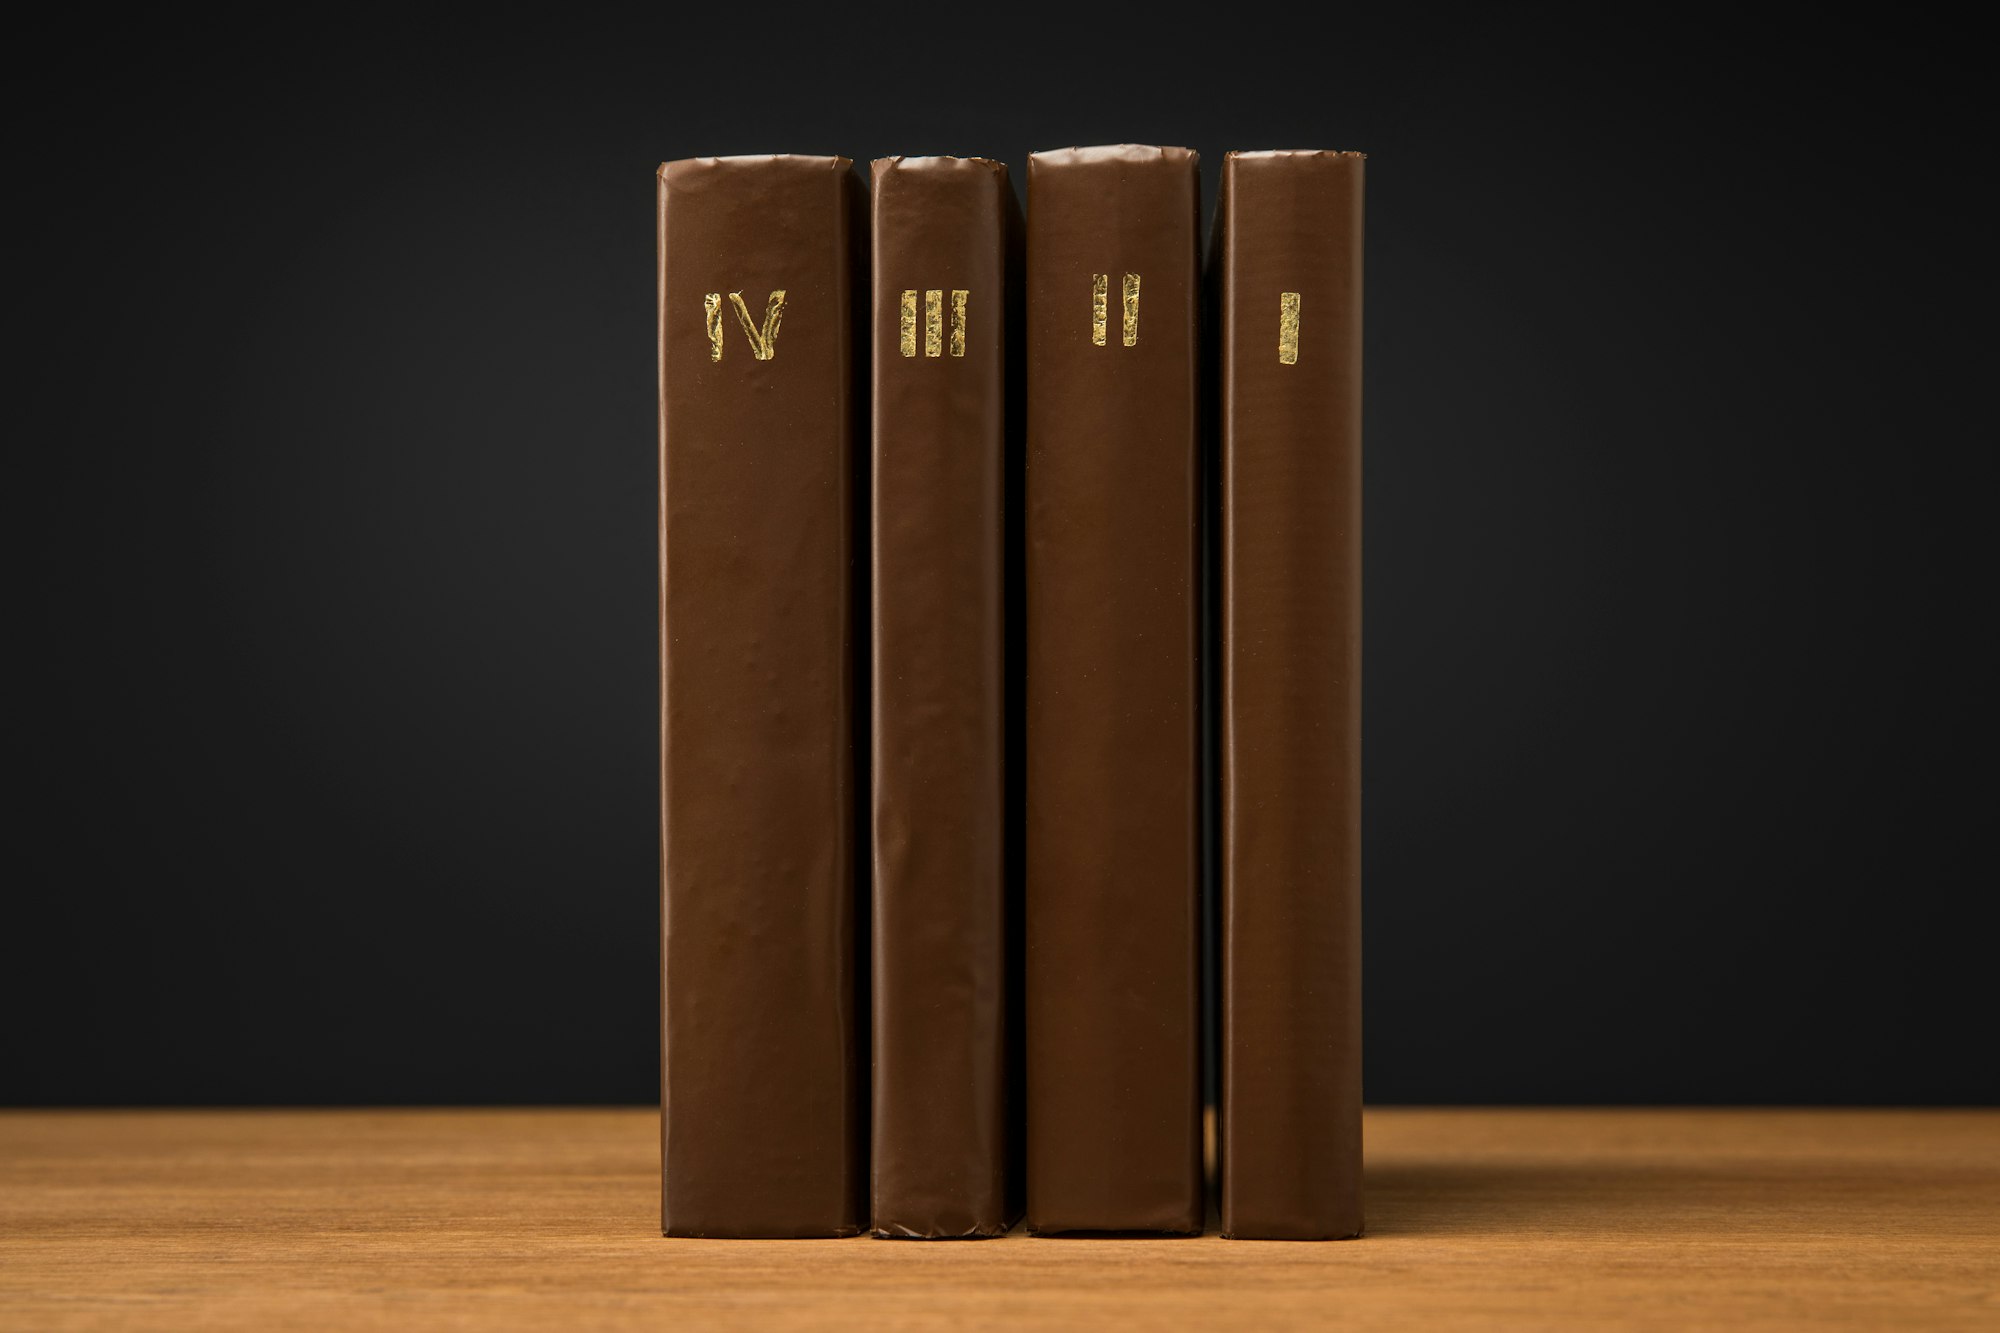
(334, 726)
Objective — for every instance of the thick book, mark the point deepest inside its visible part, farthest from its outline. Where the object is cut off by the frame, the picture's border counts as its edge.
(763, 1097)
(1113, 941)
(939, 1160)
(1288, 261)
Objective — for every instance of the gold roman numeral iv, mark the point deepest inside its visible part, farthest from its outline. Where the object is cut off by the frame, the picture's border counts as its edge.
(763, 341)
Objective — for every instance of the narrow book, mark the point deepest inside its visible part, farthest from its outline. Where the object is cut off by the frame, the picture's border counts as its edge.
(939, 1160)
(1288, 254)
(1113, 950)
(763, 1101)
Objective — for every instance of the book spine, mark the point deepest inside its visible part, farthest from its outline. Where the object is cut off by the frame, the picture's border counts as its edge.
(1113, 1133)
(762, 1099)
(1289, 730)
(938, 1163)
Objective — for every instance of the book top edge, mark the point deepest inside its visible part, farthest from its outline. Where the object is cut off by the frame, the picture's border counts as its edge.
(940, 161)
(1129, 153)
(802, 161)
(939, 165)
(1329, 153)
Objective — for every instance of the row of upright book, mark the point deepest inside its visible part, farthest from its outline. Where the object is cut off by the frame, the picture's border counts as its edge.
(1007, 572)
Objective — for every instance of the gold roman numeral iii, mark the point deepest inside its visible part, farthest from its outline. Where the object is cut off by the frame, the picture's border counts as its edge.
(933, 321)
(763, 341)
(1100, 310)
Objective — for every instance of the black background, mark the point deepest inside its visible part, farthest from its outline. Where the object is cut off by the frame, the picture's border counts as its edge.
(334, 720)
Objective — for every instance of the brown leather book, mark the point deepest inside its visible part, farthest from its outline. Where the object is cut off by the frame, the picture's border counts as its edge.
(1113, 1134)
(762, 1097)
(1288, 255)
(940, 274)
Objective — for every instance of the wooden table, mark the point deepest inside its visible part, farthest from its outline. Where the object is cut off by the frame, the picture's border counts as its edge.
(549, 1219)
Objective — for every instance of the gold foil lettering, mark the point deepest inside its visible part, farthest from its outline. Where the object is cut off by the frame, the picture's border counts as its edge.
(934, 322)
(1099, 306)
(764, 341)
(711, 314)
(1131, 333)
(1288, 328)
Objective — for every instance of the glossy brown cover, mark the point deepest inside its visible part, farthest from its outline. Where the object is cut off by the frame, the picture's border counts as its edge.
(762, 1098)
(1289, 731)
(938, 1164)
(1113, 1134)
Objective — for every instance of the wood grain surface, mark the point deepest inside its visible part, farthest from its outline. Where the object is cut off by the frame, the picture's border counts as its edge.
(534, 1219)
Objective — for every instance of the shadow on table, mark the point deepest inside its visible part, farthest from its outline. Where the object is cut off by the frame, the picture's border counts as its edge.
(1450, 1199)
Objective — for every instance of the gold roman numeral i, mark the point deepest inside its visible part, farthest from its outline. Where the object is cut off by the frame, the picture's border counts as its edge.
(933, 321)
(763, 341)
(1288, 328)
(1100, 310)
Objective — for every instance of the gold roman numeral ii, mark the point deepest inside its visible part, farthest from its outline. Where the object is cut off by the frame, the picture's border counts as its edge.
(933, 322)
(763, 342)
(1100, 309)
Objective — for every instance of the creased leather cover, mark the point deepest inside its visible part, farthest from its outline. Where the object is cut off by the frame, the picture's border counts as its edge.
(1289, 734)
(762, 1103)
(1113, 1135)
(938, 1162)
